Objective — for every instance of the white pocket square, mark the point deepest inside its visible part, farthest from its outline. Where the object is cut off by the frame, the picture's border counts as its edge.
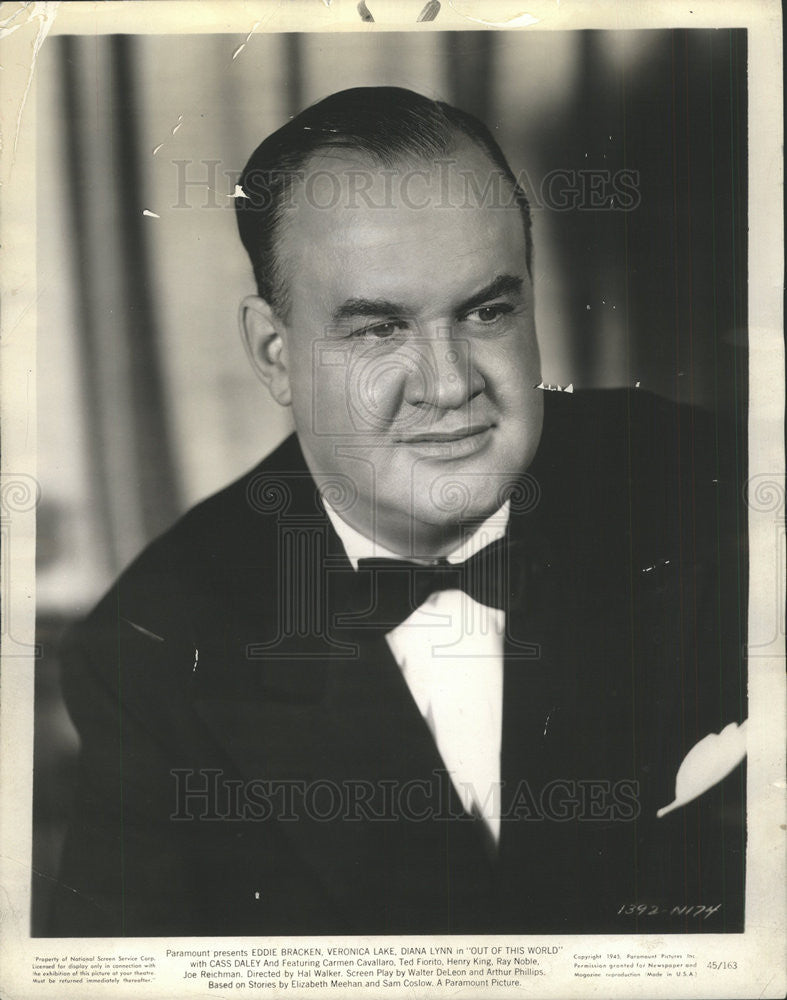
(707, 763)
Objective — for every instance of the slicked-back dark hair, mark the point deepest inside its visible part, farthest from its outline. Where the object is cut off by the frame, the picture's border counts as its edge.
(385, 124)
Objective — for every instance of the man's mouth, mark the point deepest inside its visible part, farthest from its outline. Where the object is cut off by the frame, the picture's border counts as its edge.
(449, 445)
(445, 437)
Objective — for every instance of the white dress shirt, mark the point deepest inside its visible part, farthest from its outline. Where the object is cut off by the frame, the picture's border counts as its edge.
(450, 651)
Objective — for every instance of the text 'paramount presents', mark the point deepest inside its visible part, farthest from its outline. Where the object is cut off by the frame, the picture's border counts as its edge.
(381, 967)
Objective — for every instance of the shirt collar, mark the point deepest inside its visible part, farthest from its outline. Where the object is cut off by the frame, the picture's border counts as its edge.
(358, 546)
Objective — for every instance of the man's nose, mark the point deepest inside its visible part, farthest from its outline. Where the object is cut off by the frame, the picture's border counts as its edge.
(442, 372)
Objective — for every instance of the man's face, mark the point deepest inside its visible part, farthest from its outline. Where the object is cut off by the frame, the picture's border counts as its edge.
(409, 347)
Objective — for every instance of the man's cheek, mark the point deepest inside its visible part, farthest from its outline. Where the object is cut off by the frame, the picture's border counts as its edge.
(514, 387)
(324, 405)
(374, 390)
(516, 352)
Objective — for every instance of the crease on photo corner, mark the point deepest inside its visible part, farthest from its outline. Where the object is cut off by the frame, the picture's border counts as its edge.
(178, 124)
(520, 20)
(143, 630)
(245, 42)
(274, 9)
(40, 873)
(430, 12)
(44, 13)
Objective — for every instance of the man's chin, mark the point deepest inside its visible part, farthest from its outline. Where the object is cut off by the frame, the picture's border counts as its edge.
(466, 492)
(456, 505)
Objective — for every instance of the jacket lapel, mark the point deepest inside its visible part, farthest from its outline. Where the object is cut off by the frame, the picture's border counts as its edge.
(531, 677)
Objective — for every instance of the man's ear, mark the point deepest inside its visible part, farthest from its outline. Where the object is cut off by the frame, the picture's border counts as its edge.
(265, 346)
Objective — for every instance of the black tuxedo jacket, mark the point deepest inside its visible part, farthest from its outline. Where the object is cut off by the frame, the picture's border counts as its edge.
(246, 769)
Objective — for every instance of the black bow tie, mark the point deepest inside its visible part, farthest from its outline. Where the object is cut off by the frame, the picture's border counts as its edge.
(384, 592)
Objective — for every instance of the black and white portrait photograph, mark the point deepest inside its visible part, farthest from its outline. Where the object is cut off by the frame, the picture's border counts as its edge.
(405, 531)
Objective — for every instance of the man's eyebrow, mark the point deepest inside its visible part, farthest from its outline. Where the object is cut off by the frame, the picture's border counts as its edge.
(368, 307)
(503, 284)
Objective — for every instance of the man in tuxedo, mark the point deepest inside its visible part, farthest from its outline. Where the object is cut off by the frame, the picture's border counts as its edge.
(433, 665)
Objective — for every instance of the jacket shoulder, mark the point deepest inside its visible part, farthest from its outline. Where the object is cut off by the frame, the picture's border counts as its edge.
(628, 438)
(168, 587)
(631, 471)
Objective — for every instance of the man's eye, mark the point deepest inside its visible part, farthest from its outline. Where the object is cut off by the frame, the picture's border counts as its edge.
(381, 331)
(490, 314)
